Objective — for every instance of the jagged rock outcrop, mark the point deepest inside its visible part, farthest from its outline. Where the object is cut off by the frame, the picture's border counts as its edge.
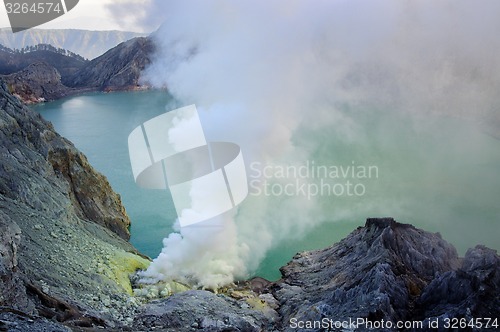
(37, 82)
(377, 272)
(387, 271)
(117, 69)
(470, 292)
(63, 231)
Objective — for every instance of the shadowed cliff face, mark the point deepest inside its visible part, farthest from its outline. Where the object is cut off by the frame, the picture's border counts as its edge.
(117, 69)
(31, 151)
(37, 82)
(63, 230)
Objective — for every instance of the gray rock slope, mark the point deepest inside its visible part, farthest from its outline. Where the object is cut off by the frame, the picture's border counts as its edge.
(384, 271)
(63, 231)
(117, 69)
(470, 292)
(392, 272)
(37, 82)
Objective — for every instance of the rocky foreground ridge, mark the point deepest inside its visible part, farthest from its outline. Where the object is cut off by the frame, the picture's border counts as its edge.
(392, 272)
(65, 261)
(63, 231)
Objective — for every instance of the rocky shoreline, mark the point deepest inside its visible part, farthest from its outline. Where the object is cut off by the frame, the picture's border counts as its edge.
(66, 264)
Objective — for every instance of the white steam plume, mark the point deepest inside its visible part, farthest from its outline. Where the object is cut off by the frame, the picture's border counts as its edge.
(260, 71)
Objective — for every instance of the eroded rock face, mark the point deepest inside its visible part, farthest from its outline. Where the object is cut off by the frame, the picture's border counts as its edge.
(35, 159)
(377, 272)
(90, 192)
(117, 69)
(37, 82)
(392, 272)
(63, 231)
(472, 291)
(14, 321)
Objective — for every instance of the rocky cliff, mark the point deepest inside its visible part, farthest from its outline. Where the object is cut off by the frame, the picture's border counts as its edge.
(117, 69)
(38, 82)
(387, 271)
(63, 249)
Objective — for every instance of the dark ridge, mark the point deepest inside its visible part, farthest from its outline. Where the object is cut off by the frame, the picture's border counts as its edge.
(66, 62)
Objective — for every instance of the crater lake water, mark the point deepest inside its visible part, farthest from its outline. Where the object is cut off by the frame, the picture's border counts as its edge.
(442, 174)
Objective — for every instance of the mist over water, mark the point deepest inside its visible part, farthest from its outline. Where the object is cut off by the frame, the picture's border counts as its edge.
(457, 196)
(410, 87)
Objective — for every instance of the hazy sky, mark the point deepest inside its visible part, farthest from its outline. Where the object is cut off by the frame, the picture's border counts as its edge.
(90, 15)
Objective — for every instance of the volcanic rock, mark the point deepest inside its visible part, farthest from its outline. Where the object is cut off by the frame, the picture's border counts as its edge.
(63, 230)
(470, 292)
(117, 69)
(378, 272)
(36, 83)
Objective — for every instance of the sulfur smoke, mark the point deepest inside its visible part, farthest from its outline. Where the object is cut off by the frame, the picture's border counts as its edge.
(263, 72)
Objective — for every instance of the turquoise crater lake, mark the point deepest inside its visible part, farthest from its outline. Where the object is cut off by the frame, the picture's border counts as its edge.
(452, 187)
